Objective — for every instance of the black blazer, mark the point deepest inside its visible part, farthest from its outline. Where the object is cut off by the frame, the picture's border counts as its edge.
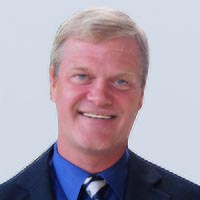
(146, 181)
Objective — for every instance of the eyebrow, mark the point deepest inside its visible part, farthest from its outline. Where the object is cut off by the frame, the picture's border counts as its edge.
(120, 73)
(85, 69)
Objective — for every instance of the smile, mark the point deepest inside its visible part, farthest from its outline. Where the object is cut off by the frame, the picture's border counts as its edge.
(97, 116)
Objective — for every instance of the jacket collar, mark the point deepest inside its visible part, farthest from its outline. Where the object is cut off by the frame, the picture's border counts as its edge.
(142, 179)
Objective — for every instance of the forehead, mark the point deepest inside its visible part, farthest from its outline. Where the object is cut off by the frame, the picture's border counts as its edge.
(125, 49)
(125, 44)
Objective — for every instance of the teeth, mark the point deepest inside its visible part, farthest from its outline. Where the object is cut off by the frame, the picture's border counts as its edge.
(97, 116)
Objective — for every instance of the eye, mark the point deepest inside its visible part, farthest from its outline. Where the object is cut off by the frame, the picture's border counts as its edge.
(80, 78)
(121, 84)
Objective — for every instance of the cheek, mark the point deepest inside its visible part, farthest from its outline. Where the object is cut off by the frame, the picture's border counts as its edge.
(130, 106)
(69, 96)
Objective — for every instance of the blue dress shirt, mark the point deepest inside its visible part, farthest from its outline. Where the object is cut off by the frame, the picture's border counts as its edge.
(69, 178)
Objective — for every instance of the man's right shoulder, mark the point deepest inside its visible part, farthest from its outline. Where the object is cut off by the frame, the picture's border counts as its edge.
(19, 186)
(10, 190)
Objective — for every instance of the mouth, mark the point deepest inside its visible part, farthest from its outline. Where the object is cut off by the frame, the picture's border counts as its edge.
(97, 116)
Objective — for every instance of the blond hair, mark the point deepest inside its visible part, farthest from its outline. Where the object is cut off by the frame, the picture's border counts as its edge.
(96, 25)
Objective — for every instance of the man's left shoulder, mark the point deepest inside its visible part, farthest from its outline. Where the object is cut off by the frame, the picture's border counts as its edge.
(162, 180)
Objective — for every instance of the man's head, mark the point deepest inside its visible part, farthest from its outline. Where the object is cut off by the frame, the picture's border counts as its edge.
(98, 25)
(98, 71)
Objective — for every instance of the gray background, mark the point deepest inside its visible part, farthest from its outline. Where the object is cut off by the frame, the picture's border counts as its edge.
(167, 129)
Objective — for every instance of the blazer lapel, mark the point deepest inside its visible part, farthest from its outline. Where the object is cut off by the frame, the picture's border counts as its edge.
(142, 178)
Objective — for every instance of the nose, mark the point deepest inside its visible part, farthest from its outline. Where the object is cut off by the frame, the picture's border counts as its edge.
(99, 93)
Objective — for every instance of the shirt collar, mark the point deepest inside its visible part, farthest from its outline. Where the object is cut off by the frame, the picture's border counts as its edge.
(69, 176)
(72, 177)
(117, 174)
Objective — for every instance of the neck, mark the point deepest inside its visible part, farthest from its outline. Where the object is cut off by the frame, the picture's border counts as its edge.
(91, 161)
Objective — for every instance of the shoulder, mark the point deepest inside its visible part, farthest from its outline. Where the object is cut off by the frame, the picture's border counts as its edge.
(162, 180)
(38, 171)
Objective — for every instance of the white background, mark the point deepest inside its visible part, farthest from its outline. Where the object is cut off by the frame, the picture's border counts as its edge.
(167, 129)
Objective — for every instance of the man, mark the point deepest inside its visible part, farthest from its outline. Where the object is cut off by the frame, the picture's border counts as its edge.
(99, 65)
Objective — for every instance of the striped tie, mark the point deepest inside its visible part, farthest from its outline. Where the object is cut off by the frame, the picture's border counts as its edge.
(93, 186)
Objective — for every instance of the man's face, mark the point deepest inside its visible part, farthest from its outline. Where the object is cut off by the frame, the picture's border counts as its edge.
(97, 93)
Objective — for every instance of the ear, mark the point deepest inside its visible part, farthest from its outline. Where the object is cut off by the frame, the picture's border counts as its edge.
(52, 83)
(141, 100)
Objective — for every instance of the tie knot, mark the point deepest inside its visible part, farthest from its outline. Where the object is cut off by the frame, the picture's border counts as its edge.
(93, 185)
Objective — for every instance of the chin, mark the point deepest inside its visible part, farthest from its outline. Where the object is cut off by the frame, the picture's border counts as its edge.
(94, 145)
